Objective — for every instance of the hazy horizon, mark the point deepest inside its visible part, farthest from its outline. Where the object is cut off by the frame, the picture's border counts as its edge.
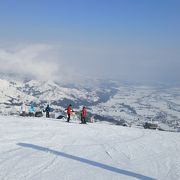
(126, 40)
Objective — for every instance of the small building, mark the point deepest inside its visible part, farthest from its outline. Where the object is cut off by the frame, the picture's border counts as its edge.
(151, 125)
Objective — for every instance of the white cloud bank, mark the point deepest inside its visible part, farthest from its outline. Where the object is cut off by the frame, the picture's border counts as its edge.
(73, 63)
(28, 60)
(39, 61)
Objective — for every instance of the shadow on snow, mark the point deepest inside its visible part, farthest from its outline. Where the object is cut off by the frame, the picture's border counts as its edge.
(86, 161)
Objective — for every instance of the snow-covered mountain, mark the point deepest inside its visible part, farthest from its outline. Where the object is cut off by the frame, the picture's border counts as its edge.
(106, 100)
(14, 92)
(137, 104)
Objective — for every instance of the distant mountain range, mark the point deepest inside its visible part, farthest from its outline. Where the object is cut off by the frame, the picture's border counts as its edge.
(14, 92)
(107, 100)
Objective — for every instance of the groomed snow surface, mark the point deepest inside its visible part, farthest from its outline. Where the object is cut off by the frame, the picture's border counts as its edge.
(51, 149)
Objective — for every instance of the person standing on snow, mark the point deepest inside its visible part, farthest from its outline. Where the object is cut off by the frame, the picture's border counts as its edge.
(47, 110)
(23, 109)
(31, 110)
(69, 110)
(83, 115)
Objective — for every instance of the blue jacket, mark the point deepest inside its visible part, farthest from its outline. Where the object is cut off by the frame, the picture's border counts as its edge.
(31, 109)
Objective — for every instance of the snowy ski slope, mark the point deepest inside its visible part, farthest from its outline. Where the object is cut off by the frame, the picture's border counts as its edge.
(51, 149)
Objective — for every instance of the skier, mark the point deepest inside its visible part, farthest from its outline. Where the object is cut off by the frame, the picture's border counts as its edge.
(69, 110)
(83, 115)
(23, 109)
(47, 110)
(31, 110)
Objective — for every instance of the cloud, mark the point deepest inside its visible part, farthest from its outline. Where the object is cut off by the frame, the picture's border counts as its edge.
(39, 61)
(28, 60)
(72, 63)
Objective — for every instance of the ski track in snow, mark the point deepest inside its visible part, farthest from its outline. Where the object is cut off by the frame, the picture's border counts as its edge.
(175, 166)
(14, 157)
(15, 160)
(42, 168)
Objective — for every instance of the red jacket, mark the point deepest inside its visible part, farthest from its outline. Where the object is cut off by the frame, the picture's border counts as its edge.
(84, 112)
(69, 110)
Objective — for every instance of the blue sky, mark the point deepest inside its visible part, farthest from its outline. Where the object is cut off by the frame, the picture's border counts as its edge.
(133, 40)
